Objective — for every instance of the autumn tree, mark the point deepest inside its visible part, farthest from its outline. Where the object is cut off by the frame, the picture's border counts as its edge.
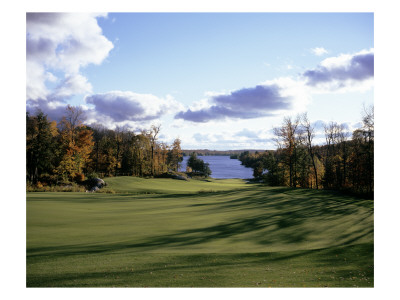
(152, 136)
(76, 143)
(142, 163)
(287, 139)
(175, 156)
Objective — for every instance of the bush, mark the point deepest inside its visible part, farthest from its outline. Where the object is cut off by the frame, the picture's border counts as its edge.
(47, 179)
(173, 175)
(92, 175)
(79, 177)
(56, 188)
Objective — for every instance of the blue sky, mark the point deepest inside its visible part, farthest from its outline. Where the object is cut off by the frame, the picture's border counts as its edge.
(215, 80)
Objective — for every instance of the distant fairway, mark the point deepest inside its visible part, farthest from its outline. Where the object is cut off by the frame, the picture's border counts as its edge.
(226, 233)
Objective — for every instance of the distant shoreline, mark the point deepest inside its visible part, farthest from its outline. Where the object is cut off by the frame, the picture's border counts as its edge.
(207, 152)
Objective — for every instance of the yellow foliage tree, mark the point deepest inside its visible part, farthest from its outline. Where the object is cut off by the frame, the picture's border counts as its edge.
(77, 143)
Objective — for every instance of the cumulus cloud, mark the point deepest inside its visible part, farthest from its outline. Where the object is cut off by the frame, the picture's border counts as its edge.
(58, 46)
(319, 51)
(55, 110)
(71, 85)
(267, 99)
(119, 106)
(342, 72)
(259, 101)
(286, 95)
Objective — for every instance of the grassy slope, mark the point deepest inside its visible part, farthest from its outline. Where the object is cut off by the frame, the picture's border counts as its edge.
(163, 232)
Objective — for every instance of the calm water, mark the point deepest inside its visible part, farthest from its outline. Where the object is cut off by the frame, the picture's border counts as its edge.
(223, 167)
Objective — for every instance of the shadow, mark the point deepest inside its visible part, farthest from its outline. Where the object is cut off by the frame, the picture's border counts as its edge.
(277, 215)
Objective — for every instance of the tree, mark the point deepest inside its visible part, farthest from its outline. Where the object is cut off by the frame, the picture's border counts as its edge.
(154, 131)
(308, 138)
(368, 131)
(76, 143)
(330, 179)
(40, 145)
(198, 165)
(362, 155)
(175, 156)
(287, 139)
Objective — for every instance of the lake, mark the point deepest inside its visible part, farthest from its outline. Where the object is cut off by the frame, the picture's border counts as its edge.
(223, 167)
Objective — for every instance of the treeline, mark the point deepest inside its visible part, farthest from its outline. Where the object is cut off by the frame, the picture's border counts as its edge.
(206, 152)
(70, 151)
(344, 162)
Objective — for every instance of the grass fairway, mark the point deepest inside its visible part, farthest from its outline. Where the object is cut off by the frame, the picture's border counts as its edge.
(216, 233)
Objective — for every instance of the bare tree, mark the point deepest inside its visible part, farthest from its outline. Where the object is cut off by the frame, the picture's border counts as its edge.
(308, 131)
(287, 137)
(342, 137)
(73, 119)
(154, 131)
(368, 131)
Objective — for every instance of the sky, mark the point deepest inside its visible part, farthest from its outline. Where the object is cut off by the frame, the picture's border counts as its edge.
(218, 81)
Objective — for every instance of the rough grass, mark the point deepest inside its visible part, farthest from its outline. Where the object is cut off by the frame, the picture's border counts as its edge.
(216, 233)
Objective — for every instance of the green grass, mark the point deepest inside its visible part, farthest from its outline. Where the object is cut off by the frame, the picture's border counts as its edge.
(216, 233)
(134, 185)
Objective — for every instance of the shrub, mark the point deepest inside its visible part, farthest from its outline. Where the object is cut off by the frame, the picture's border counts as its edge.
(79, 177)
(92, 175)
(39, 185)
(47, 179)
(57, 188)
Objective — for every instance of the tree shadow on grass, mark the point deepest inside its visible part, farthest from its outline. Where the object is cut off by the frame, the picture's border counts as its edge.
(281, 215)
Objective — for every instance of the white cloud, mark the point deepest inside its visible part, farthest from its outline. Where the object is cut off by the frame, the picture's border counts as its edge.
(266, 99)
(293, 89)
(71, 85)
(343, 73)
(287, 95)
(319, 51)
(61, 43)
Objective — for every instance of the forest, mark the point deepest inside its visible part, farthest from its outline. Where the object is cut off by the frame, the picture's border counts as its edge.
(70, 151)
(344, 162)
